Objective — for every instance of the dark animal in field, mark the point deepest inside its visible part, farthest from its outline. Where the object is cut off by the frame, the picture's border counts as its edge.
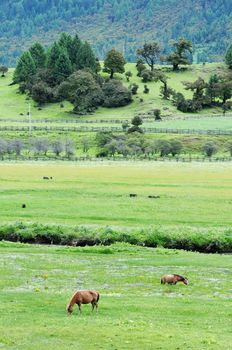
(84, 297)
(23, 205)
(133, 195)
(45, 178)
(50, 177)
(173, 279)
(153, 196)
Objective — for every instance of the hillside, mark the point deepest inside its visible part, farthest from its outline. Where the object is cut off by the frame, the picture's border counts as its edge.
(14, 104)
(124, 24)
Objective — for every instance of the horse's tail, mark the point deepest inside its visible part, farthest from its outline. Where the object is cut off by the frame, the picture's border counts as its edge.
(98, 297)
(162, 280)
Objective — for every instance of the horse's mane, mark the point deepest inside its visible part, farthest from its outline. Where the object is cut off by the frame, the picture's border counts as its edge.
(72, 300)
(182, 277)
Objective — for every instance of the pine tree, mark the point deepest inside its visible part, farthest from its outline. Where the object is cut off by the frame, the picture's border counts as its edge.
(86, 57)
(38, 54)
(53, 55)
(63, 67)
(74, 52)
(58, 63)
(66, 42)
(25, 68)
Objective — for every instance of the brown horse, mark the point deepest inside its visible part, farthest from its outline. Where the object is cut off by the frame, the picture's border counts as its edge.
(84, 297)
(173, 279)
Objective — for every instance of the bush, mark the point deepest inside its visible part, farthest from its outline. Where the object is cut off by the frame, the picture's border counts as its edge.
(42, 93)
(146, 90)
(207, 240)
(115, 94)
(134, 88)
(187, 106)
(210, 148)
(147, 76)
(157, 114)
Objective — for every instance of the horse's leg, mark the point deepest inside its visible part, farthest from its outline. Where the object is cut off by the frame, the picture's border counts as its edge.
(96, 306)
(79, 307)
(93, 304)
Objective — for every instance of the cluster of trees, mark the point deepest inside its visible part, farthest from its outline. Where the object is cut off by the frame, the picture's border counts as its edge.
(136, 144)
(38, 146)
(151, 54)
(69, 70)
(130, 144)
(215, 92)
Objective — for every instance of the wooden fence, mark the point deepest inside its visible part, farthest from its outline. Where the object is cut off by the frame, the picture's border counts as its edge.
(115, 129)
(114, 121)
(183, 159)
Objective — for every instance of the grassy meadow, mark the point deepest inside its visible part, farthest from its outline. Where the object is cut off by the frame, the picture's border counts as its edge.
(98, 193)
(135, 310)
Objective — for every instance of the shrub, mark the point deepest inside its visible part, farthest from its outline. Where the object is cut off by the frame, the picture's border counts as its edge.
(157, 114)
(207, 240)
(115, 94)
(134, 88)
(210, 148)
(147, 76)
(146, 90)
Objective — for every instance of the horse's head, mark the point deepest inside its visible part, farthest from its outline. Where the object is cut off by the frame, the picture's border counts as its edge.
(185, 281)
(69, 309)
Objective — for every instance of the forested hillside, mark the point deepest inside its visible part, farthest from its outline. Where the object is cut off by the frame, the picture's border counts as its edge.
(124, 24)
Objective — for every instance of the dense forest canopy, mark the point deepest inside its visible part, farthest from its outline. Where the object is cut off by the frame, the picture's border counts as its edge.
(123, 24)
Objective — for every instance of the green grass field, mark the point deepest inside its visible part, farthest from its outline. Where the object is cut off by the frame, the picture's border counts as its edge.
(135, 310)
(203, 123)
(98, 193)
(12, 103)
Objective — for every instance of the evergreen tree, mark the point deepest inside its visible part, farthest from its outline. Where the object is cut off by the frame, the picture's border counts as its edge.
(38, 54)
(25, 68)
(63, 67)
(74, 52)
(228, 57)
(210, 91)
(58, 63)
(86, 57)
(66, 42)
(53, 55)
(114, 63)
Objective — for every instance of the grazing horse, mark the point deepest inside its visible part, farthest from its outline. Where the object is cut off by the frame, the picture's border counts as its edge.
(83, 297)
(173, 279)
